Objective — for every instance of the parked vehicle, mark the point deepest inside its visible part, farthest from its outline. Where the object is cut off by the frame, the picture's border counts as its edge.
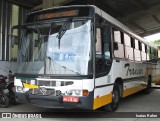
(4, 99)
(7, 94)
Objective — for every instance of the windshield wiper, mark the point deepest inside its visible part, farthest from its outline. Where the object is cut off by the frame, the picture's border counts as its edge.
(62, 31)
(37, 29)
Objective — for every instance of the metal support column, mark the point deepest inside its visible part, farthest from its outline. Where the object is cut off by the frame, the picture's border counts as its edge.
(9, 25)
(4, 30)
(1, 23)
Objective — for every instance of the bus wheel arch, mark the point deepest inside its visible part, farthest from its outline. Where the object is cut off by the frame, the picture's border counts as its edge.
(149, 83)
(117, 93)
(119, 82)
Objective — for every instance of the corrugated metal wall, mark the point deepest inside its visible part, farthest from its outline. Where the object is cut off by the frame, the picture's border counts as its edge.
(5, 25)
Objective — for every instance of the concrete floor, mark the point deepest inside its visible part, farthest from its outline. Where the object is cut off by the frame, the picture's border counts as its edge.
(136, 103)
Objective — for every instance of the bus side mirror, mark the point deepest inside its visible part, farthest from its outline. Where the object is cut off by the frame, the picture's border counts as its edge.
(12, 41)
(115, 45)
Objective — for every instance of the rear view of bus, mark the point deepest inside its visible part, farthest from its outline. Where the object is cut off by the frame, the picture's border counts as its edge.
(55, 58)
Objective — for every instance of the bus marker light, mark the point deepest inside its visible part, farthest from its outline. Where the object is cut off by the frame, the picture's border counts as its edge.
(85, 92)
(97, 96)
(70, 99)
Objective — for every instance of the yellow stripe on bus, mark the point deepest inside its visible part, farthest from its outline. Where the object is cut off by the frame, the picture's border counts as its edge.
(133, 90)
(101, 101)
(157, 80)
(30, 86)
(104, 100)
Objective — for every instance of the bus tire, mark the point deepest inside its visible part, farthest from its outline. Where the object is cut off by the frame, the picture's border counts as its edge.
(148, 89)
(113, 106)
(4, 101)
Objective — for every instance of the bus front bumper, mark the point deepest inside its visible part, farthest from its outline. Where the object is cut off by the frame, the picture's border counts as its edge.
(55, 101)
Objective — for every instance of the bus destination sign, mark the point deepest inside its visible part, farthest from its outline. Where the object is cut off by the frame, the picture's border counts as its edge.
(45, 16)
(59, 13)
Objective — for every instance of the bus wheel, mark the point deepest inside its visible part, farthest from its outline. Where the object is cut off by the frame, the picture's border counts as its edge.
(113, 106)
(148, 89)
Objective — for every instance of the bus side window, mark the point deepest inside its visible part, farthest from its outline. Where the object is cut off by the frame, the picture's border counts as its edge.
(137, 51)
(158, 52)
(128, 47)
(143, 52)
(100, 62)
(148, 53)
(119, 40)
(98, 43)
(153, 55)
(106, 39)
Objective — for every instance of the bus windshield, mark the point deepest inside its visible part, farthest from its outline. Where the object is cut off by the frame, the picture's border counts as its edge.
(56, 48)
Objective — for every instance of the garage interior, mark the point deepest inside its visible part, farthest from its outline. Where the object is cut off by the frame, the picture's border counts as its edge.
(142, 16)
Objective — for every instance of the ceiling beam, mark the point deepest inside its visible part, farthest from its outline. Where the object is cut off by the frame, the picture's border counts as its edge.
(139, 4)
(143, 13)
(23, 4)
(132, 23)
(150, 31)
(51, 3)
(62, 2)
(156, 19)
(106, 8)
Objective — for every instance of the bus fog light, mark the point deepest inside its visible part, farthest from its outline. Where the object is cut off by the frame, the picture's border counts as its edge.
(73, 92)
(69, 92)
(77, 92)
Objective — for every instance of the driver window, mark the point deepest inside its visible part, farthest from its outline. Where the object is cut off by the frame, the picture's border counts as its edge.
(98, 43)
(102, 46)
(106, 35)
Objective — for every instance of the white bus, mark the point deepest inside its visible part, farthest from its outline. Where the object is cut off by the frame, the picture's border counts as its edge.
(81, 57)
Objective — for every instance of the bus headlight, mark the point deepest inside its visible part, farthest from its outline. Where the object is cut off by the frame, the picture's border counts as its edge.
(75, 92)
(19, 89)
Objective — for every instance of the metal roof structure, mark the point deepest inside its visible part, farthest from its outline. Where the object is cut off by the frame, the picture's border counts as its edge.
(26, 3)
(142, 16)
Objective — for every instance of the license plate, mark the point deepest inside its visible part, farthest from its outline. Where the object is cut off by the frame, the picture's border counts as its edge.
(70, 99)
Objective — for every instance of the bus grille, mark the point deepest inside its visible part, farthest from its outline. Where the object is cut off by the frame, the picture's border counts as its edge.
(43, 91)
(49, 83)
(46, 91)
